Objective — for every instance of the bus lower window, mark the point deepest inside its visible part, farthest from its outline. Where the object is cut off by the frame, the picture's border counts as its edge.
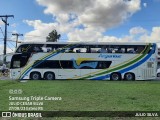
(68, 64)
(104, 64)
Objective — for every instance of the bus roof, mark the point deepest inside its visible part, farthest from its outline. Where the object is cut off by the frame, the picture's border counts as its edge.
(88, 43)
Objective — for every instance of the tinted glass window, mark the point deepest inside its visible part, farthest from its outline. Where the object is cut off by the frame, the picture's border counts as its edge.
(39, 48)
(69, 64)
(46, 64)
(19, 61)
(66, 64)
(23, 48)
(103, 64)
(80, 48)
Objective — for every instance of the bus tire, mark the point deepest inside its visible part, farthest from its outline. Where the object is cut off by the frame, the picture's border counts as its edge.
(49, 76)
(158, 74)
(35, 76)
(115, 76)
(129, 76)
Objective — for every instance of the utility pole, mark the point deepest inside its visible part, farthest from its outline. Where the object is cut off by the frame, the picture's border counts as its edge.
(5, 35)
(17, 35)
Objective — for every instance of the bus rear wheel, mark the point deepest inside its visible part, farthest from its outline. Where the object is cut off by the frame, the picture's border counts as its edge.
(115, 76)
(35, 76)
(49, 76)
(129, 76)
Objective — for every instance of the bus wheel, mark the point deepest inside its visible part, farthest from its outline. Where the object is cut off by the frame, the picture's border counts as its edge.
(49, 76)
(115, 76)
(158, 75)
(35, 76)
(129, 76)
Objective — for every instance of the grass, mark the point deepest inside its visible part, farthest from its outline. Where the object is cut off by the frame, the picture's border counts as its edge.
(86, 95)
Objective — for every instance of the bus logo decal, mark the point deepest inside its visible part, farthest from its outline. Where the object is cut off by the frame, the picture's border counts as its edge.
(109, 56)
(88, 64)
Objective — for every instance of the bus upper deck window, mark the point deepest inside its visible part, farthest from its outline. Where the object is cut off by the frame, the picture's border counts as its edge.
(132, 50)
(19, 50)
(140, 49)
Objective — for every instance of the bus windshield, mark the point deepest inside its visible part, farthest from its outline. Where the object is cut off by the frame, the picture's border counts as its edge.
(19, 60)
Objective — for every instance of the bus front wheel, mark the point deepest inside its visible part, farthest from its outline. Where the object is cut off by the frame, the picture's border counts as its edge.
(49, 76)
(115, 76)
(35, 76)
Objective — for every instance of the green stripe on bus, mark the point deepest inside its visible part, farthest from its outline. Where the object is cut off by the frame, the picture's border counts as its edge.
(120, 67)
(44, 57)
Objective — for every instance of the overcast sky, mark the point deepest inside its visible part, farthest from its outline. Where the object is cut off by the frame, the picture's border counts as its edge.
(82, 20)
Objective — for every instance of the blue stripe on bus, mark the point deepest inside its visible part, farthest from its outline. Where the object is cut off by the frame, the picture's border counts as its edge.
(108, 75)
(42, 61)
(129, 68)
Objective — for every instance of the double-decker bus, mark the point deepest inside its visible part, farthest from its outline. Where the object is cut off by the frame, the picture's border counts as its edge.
(94, 61)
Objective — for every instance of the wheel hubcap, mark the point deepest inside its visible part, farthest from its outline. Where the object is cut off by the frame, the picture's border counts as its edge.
(115, 76)
(35, 76)
(49, 76)
(129, 77)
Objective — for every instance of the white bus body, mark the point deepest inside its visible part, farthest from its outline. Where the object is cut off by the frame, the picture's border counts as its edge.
(85, 61)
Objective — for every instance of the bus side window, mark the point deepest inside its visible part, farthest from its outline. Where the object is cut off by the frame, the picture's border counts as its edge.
(104, 64)
(132, 50)
(119, 50)
(88, 50)
(93, 50)
(103, 49)
(109, 50)
(77, 51)
(140, 49)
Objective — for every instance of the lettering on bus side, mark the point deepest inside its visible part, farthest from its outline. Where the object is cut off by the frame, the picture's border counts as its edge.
(109, 56)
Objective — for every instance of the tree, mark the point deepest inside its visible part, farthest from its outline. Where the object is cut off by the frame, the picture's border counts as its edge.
(53, 36)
